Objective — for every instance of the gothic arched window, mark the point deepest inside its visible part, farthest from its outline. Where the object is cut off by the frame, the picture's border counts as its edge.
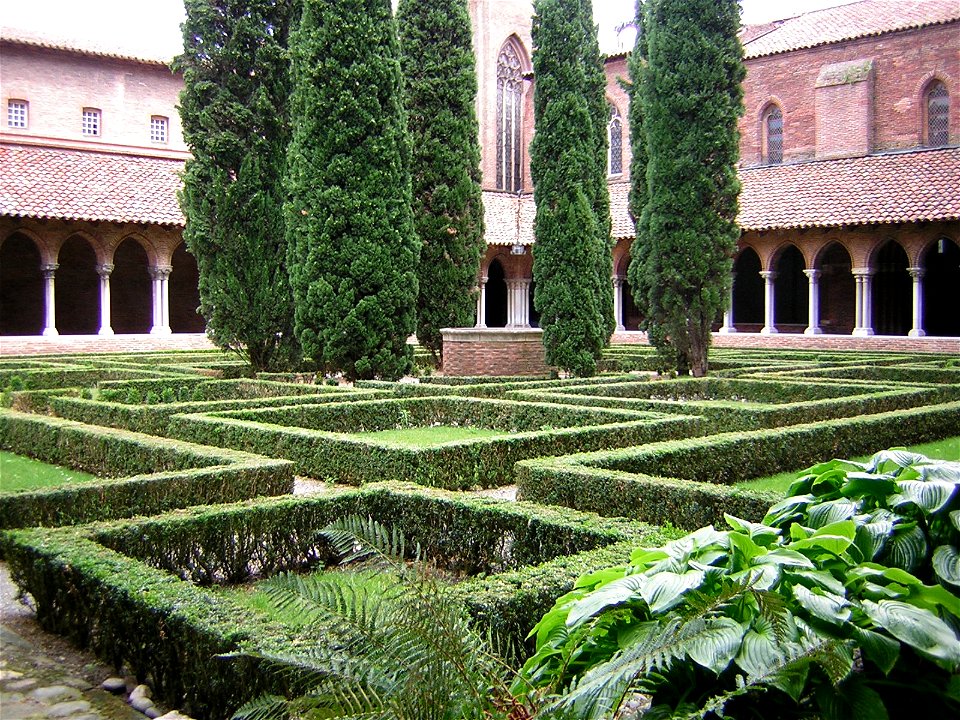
(938, 115)
(615, 134)
(509, 118)
(773, 136)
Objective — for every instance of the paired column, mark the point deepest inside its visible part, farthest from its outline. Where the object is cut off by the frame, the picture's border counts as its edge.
(161, 299)
(618, 301)
(518, 302)
(727, 328)
(50, 299)
(917, 274)
(482, 303)
(864, 304)
(813, 298)
(104, 272)
(769, 296)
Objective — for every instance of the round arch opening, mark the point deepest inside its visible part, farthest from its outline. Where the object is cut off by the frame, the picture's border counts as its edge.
(892, 291)
(940, 282)
(21, 287)
(77, 288)
(747, 292)
(131, 297)
(496, 294)
(837, 291)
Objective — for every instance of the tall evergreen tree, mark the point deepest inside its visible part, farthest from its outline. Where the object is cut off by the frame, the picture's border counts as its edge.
(352, 250)
(569, 266)
(234, 114)
(441, 87)
(691, 99)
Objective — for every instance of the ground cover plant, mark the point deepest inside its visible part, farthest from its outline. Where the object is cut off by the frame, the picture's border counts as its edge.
(19, 473)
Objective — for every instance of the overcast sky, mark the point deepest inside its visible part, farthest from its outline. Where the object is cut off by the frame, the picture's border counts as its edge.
(152, 27)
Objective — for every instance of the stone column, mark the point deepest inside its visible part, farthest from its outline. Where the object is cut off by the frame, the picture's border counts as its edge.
(727, 328)
(618, 301)
(49, 299)
(917, 274)
(864, 306)
(813, 298)
(161, 299)
(522, 302)
(104, 272)
(482, 303)
(769, 296)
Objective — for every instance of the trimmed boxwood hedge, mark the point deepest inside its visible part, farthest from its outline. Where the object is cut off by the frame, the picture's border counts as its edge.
(154, 474)
(178, 634)
(686, 482)
(317, 437)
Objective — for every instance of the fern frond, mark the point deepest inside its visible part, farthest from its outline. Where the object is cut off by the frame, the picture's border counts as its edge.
(265, 707)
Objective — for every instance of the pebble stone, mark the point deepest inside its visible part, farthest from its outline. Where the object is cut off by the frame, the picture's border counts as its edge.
(52, 694)
(24, 684)
(114, 685)
(141, 703)
(66, 709)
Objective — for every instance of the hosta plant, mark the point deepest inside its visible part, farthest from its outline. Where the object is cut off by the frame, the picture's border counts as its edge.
(821, 611)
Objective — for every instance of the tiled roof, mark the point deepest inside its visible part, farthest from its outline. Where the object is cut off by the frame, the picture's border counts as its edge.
(46, 182)
(119, 47)
(508, 218)
(846, 22)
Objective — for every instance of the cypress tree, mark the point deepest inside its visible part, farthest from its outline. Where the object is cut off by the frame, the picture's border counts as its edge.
(352, 247)
(234, 113)
(691, 99)
(441, 86)
(568, 165)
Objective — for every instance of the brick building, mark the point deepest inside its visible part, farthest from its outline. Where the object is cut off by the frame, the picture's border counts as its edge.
(850, 208)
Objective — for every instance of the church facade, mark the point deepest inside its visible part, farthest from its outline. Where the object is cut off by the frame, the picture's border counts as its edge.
(850, 165)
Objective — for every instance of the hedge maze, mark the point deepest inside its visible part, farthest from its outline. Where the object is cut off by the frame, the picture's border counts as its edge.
(197, 464)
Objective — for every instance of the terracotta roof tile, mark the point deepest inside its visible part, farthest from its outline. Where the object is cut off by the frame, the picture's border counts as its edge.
(47, 182)
(902, 187)
(846, 22)
(120, 47)
(508, 218)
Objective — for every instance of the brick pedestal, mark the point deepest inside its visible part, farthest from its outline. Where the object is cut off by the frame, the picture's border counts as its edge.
(493, 351)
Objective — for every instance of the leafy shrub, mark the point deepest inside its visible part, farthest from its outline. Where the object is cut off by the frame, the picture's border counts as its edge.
(817, 612)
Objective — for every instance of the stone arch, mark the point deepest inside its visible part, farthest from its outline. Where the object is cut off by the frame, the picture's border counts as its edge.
(930, 80)
(185, 314)
(837, 289)
(941, 265)
(77, 287)
(790, 289)
(772, 132)
(630, 313)
(891, 289)
(21, 286)
(496, 294)
(747, 291)
(615, 140)
(513, 64)
(131, 295)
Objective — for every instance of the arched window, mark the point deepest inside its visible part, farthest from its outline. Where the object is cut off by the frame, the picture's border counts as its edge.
(938, 115)
(615, 134)
(773, 136)
(509, 117)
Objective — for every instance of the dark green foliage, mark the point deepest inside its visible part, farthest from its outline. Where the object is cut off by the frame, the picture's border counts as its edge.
(572, 265)
(353, 250)
(440, 92)
(234, 113)
(690, 100)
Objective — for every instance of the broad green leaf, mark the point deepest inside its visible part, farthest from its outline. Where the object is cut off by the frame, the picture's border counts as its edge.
(664, 590)
(928, 495)
(758, 532)
(955, 519)
(714, 642)
(831, 511)
(791, 679)
(946, 564)
(828, 482)
(898, 457)
(799, 532)
(820, 578)
(936, 599)
(600, 577)
(790, 507)
(784, 556)
(853, 699)
(906, 548)
(613, 593)
(644, 557)
(940, 470)
(760, 649)
(899, 575)
(759, 577)
(872, 537)
(879, 649)
(918, 628)
(826, 606)
(834, 538)
(836, 464)
(744, 549)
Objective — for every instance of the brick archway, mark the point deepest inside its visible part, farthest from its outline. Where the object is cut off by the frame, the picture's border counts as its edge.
(131, 300)
(21, 287)
(78, 288)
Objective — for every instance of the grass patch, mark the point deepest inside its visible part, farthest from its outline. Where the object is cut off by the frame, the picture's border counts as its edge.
(19, 473)
(948, 449)
(430, 435)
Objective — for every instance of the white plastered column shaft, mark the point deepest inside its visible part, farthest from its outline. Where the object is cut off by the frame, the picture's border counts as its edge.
(769, 300)
(105, 323)
(916, 274)
(482, 303)
(727, 328)
(49, 299)
(618, 301)
(161, 300)
(813, 299)
(864, 302)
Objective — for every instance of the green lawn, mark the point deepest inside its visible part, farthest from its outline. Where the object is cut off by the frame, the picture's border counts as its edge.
(18, 473)
(430, 435)
(948, 449)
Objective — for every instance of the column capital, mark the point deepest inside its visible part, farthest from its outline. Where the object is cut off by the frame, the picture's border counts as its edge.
(917, 273)
(484, 279)
(49, 270)
(160, 272)
(812, 274)
(105, 269)
(618, 281)
(863, 272)
(769, 275)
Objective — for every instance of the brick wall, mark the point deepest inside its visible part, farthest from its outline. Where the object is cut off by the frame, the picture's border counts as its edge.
(903, 63)
(820, 342)
(490, 351)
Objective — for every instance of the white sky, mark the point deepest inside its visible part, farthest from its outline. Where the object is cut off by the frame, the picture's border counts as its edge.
(152, 27)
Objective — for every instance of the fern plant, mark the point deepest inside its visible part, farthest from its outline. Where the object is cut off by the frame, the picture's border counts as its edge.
(389, 641)
(816, 613)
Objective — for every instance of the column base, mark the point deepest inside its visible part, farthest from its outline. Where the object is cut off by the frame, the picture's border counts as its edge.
(769, 331)
(727, 330)
(813, 331)
(105, 331)
(50, 332)
(862, 332)
(480, 325)
(621, 328)
(917, 333)
(161, 331)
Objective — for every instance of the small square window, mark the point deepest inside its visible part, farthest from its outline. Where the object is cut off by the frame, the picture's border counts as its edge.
(158, 129)
(17, 113)
(90, 124)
